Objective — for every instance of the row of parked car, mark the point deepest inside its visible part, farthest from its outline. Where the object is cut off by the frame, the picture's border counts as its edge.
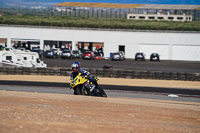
(58, 53)
(138, 56)
(71, 54)
(141, 56)
(66, 53)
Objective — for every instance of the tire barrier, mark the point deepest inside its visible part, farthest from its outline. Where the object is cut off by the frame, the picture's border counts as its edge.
(130, 74)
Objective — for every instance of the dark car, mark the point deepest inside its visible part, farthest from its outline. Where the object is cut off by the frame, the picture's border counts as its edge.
(67, 54)
(108, 67)
(88, 55)
(39, 51)
(139, 56)
(154, 56)
(51, 54)
(77, 53)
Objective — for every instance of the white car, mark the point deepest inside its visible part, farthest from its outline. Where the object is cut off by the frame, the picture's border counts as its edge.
(117, 56)
(58, 51)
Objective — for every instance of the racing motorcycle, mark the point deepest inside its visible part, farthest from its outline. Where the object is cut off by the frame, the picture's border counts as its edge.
(83, 86)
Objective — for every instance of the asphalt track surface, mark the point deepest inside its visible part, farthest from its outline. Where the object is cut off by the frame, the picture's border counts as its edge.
(157, 93)
(160, 90)
(130, 64)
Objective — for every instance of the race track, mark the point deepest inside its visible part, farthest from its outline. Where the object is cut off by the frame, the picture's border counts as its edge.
(130, 64)
(160, 93)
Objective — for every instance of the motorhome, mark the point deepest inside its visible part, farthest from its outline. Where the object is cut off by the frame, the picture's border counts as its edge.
(18, 58)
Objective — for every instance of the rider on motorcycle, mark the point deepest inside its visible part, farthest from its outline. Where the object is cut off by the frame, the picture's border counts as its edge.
(76, 70)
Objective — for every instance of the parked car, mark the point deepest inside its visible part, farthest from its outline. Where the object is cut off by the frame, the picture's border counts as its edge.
(154, 56)
(123, 55)
(117, 56)
(1, 47)
(21, 48)
(88, 55)
(77, 53)
(108, 67)
(51, 54)
(39, 51)
(140, 56)
(67, 54)
(58, 51)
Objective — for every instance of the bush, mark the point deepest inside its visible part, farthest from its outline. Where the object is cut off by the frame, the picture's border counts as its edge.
(108, 23)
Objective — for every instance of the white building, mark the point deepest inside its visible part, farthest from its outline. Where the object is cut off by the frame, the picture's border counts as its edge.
(171, 45)
(164, 12)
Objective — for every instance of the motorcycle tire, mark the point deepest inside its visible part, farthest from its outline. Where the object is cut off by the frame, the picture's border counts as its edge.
(78, 91)
(102, 92)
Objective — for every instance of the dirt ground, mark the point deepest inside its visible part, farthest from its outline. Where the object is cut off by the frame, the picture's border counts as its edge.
(60, 113)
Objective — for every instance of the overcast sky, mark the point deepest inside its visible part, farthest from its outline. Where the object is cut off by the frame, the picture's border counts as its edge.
(48, 3)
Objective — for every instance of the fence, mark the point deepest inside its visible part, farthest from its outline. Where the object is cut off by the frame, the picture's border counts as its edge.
(71, 13)
(131, 74)
(91, 12)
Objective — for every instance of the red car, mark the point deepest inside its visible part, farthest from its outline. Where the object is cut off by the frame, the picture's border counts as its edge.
(88, 55)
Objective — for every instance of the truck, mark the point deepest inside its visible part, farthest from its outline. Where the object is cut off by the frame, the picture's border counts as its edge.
(18, 58)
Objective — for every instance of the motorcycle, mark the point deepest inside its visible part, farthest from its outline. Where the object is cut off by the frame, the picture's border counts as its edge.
(83, 86)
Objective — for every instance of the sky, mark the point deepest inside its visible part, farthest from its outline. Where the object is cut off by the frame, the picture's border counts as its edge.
(49, 3)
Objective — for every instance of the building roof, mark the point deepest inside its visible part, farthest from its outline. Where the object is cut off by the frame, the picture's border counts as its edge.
(141, 6)
(106, 5)
(159, 6)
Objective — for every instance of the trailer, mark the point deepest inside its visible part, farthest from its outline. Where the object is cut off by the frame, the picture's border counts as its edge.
(18, 58)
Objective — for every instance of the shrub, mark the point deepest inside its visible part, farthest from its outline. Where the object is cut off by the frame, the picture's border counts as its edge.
(108, 23)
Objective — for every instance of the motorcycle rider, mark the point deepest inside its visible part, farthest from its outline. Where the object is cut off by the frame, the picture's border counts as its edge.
(76, 70)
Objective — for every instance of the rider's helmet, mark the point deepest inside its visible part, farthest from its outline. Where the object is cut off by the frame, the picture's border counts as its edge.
(75, 66)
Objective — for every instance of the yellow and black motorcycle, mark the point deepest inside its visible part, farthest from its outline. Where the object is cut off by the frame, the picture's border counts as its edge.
(83, 86)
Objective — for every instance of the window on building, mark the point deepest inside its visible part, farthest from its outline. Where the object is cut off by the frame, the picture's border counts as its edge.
(151, 17)
(25, 58)
(141, 11)
(122, 48)
(170, 18)
(160, 18)
(180, 18)
(141, 17)
(187, 12)
(132, 17)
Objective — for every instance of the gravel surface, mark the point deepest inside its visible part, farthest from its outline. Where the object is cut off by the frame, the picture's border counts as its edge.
(34, 112)
(58, 113)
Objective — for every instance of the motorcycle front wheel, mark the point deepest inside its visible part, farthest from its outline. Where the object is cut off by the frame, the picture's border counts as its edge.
(79, 91)
(102, 93)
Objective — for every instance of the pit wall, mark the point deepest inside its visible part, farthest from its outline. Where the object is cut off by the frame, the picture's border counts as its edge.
(130, 74)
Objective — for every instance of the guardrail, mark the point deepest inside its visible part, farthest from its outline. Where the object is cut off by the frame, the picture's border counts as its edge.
(131, 74)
